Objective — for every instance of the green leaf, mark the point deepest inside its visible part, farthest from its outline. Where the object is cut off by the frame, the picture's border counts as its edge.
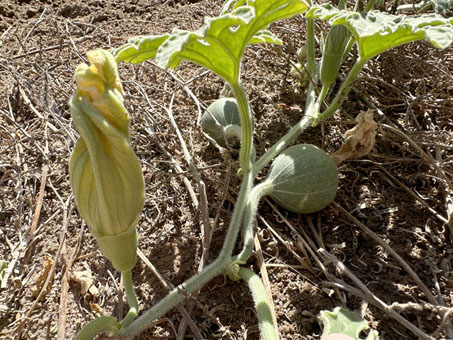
(343, 321)
(376, 32)
(265, 37)
(139, 49)
(219, 44)
(439, 6)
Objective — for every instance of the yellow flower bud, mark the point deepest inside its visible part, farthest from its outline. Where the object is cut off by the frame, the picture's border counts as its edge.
(104, 171)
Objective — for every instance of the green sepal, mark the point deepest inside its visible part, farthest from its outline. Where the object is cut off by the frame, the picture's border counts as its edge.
(120, 249)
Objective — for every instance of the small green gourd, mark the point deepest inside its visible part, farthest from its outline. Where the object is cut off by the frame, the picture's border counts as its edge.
(304, 179)
(221, 122)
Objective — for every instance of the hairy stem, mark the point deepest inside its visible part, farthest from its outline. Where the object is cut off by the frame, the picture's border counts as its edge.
(268, 330)
(256, 194)
(181, 292)
(342, 92)
(131, 298)
(282, 143)
(97, 326)
(246, 126)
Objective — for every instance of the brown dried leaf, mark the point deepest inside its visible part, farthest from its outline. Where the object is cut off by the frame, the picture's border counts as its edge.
(96, 309)
(85, 278)
(37, 287)
(359, 140)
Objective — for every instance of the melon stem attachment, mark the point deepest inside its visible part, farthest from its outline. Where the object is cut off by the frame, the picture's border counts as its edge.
(255, 196)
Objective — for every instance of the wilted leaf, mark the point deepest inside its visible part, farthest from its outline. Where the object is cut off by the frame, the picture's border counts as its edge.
(37, 287)
(359, 140)
(85, 279)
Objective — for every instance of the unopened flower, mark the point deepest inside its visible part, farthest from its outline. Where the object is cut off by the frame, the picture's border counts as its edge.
(104, 171)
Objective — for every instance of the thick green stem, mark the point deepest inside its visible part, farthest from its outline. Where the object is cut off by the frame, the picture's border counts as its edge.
(176, 296)
(181, 292)
(342, 92)
(97, 326)
(131, 298)
(236, 220)
(246, 126)
(224, 260)
(268, 330)
(256, 194)
(307, 118)
(320, 99)
(283, 142)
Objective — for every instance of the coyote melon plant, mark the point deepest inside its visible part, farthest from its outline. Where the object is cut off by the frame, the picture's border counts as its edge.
(105, 173)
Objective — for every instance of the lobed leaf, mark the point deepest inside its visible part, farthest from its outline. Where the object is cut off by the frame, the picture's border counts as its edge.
(265, 37)
(139, 48)
(439, 6)
(219, 44)
(376, 32)
(231, 4)
(343, 321)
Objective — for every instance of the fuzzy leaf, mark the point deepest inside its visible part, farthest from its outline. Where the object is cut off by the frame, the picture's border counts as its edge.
(376, 32)
(219, 44)
(343, 321)
(265, 37)
(139, 48)
(439, 6)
